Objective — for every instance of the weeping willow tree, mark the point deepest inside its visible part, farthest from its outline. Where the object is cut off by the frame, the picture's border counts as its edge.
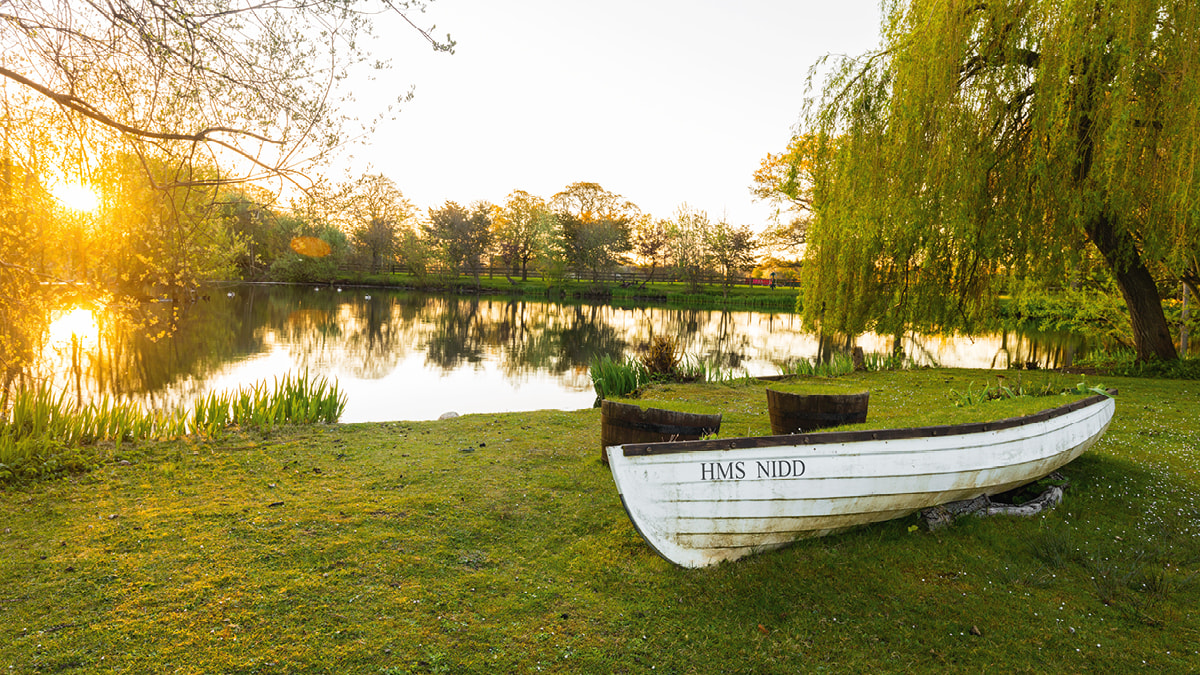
(988, 140)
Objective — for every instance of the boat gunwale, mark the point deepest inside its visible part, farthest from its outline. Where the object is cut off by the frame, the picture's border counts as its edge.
(858, 435)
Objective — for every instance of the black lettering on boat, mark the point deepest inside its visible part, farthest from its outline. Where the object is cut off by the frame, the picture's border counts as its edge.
(722, 470)
(780, 468)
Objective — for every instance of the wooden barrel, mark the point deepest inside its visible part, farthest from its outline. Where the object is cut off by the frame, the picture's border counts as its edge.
(622, 423)
(799, 413)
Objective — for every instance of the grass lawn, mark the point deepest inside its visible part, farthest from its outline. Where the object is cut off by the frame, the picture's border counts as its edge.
(497, 543)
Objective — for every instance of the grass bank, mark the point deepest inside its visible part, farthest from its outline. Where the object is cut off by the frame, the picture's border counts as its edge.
(655, 293)
(496, 543)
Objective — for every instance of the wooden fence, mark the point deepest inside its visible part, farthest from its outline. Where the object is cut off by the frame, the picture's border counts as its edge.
(623, 277)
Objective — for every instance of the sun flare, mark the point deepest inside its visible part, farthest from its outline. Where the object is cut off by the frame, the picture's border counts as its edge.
(76, 326)
(76, 196)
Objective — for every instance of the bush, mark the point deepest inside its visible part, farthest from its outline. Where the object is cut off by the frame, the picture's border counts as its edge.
(660, 359)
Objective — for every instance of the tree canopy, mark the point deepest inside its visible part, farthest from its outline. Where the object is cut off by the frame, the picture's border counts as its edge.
(596, 225)
(462, 235)
(785, 181)
(523, 228)
(377, 212)
(986, 140)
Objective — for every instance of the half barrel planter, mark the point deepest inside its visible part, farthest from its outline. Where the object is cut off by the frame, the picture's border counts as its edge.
(801, 413)
(622, 423)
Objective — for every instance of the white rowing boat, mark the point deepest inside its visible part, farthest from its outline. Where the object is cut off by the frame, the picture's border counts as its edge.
(698, 503)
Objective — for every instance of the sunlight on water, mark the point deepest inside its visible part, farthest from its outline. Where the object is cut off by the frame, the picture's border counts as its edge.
(76, 326)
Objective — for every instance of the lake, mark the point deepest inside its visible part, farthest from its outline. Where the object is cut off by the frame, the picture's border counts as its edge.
(410, 356)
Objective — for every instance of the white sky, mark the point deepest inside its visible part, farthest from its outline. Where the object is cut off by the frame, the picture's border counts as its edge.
(661, 101)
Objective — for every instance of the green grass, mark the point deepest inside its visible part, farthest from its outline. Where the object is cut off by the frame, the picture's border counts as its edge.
(1124, 362)
(388, 548)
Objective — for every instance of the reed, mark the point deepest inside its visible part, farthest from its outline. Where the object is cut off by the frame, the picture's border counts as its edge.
(700, 370)
(839, 364)
(661, 360)
(1123, 362)
(42, 433)
(876, 362)
(611, 377)
(836, 365)
(294, 399)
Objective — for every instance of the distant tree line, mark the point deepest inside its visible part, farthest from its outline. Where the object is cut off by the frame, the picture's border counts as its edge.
(584, 231)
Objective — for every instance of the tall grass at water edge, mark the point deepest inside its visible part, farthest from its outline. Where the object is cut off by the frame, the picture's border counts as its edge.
(839, 364)
(45, 434)
(612, 377)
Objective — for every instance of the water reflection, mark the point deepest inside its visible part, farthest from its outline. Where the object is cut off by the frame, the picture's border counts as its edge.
(411, 356)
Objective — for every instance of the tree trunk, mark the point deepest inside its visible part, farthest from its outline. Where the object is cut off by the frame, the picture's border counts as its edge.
(1183, 323)
(1151, 336)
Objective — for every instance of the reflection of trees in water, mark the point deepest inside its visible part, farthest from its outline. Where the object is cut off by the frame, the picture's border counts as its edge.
(25, 308)
(528, 337)
(459, 333)
(364, 332)
(718, 337)
(1005, 348)
(164, 355)
(525, 336)
(369, 337)
(161, 352)
(1040, 350)
(378, 333)
(572, 344)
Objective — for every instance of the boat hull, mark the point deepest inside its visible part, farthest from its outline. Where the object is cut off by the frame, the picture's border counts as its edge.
(698, 503)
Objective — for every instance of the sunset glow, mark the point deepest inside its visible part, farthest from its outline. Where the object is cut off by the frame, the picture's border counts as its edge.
(79, 324)
(76, 197)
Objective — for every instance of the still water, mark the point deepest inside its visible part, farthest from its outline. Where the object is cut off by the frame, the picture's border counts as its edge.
(407, 356)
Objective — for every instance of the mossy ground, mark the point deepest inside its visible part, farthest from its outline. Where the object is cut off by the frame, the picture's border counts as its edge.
(497, 543)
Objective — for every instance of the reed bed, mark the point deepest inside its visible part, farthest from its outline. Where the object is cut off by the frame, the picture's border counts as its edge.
(839, 364)
(700, 370)
(836, 365)
(43, 433)
(876, 362)
(612, 377)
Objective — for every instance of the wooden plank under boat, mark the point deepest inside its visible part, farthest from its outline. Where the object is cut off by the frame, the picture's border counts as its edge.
(701, 502)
